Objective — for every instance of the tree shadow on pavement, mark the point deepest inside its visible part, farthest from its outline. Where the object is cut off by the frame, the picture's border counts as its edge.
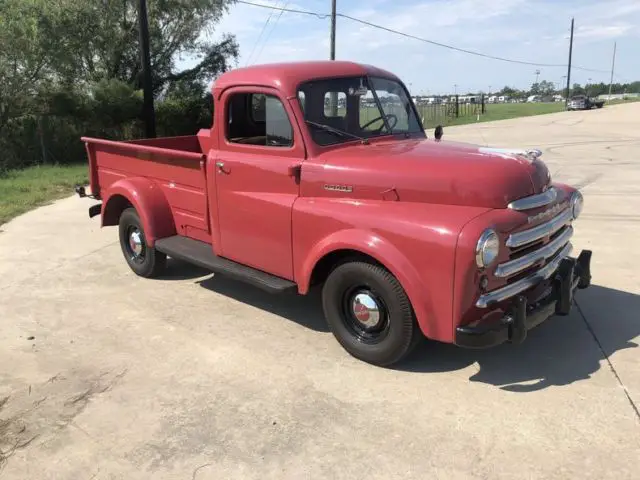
(558, 352)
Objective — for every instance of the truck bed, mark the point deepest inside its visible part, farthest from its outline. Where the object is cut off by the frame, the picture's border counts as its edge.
(175, 164)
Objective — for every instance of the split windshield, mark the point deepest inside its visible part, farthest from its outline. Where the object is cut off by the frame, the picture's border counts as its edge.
(338, 110)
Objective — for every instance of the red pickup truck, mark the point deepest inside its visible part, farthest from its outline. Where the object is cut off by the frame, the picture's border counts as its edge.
(321, 173)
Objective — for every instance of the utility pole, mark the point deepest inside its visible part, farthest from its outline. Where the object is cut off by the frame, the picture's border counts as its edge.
(566, 100)
(613, 64)
(333, 96)
(537, 74)
(332, 55)
(145, 59)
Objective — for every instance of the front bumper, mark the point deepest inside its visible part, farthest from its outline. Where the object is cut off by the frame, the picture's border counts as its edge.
(571, 274)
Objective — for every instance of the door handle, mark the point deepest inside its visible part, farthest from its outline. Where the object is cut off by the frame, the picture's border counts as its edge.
(220, 166)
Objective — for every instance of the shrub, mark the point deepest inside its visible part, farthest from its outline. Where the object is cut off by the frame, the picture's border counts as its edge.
(110, 109)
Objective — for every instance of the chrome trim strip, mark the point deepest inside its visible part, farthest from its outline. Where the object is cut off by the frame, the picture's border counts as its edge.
(541, 231)
(521, 285)
(535, 201)
(549, 250)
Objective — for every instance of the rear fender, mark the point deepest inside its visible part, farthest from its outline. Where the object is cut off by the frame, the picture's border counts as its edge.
(148, 200)
(385, 253)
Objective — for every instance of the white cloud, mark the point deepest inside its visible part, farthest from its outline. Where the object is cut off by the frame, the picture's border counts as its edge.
(532, 30)
(602, 31)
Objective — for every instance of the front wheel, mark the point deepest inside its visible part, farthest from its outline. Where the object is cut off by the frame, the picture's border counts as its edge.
(144, 260)
(369, 313)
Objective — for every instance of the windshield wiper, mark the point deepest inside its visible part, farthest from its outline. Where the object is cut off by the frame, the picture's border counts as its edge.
(337, 131)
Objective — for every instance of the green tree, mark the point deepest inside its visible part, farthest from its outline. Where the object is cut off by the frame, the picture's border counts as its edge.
(546, 88)
(45, 44)
(508, 91)
(72, 67)
(103, 41)
(535, 89)
(27, 55)
(577, 89)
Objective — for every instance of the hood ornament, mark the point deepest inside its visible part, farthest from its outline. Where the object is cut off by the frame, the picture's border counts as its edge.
(530, 154)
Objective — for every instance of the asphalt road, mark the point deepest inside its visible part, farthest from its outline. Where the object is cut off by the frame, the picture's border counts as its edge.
(105, 375)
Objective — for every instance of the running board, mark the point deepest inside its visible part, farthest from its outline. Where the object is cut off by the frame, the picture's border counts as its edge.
(201, 254)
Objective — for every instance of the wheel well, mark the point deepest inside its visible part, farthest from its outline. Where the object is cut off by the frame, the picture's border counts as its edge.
(331, 260)
(114, 208)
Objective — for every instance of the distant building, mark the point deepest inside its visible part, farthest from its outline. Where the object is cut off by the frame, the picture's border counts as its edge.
(618, 96)
(468, 99)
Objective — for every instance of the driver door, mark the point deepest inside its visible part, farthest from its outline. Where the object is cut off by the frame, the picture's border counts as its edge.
(257, 181)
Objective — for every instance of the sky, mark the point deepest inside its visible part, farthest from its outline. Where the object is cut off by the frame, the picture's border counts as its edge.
(535, 31)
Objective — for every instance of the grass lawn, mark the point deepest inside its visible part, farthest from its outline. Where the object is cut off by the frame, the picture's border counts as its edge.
(497, 111)
(23, 190)
(503, 111)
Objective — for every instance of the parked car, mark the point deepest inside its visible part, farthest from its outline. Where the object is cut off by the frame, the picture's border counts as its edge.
(582, 102)
(406, 235)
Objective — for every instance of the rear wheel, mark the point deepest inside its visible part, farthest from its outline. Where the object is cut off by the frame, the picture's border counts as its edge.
(144, 260)
(369, 313)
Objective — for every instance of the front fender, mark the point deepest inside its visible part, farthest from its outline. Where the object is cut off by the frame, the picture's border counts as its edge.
(382, 250)
(148, 200)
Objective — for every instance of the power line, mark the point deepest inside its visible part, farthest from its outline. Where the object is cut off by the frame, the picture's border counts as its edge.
(424, 40)
(450, 47)
(321, 16)
(264, 26)
(464, 50)
(275, 23)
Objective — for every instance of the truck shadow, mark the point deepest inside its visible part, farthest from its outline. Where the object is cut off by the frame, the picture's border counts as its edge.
(178, 270)
(304, 310)
(561, 351)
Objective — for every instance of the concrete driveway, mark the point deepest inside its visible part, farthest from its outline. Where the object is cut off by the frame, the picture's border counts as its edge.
(104, 375)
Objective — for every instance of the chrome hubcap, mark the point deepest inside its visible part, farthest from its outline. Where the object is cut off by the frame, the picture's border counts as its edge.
(135, 242)
(365, 309)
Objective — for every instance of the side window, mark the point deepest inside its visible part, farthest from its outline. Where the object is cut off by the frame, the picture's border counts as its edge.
(340, 98)
(279, 131)
(258, 119)
(258, 113)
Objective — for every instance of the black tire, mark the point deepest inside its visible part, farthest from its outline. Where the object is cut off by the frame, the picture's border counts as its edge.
(148, 262)
(395, 334)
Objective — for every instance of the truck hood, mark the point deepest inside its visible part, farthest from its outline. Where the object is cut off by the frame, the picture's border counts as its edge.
(443, 172)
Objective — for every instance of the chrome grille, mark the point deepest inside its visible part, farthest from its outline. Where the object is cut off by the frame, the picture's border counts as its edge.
(541, 231)
(533, 248)
(525, 283)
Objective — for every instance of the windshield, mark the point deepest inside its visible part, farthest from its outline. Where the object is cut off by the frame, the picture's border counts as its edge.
(337, 110)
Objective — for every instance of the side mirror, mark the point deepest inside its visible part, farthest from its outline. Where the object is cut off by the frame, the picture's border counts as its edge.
(438, 133)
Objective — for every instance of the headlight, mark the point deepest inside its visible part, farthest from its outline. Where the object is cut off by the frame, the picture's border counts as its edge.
(576, 204)
(487, 248)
